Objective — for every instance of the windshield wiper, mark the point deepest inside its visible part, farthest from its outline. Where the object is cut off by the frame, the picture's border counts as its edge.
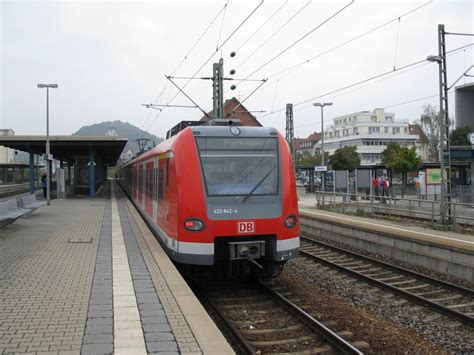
(258, 184)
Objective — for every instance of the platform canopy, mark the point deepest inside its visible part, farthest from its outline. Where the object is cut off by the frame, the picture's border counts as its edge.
(106, 148)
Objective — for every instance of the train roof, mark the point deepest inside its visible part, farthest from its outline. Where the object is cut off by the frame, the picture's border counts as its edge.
(233, 131)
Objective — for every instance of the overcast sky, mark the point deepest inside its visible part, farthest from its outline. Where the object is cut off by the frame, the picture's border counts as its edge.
(109, 57)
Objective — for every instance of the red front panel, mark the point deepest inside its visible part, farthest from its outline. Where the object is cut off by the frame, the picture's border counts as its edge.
(192, 198)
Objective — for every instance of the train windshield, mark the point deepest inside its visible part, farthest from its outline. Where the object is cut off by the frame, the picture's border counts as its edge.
(239, 166)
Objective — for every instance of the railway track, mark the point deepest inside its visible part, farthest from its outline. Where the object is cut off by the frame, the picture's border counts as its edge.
(445, 298)
(263, 321)
(10, 190)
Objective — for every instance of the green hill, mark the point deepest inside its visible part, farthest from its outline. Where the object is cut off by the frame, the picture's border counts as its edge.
(122, 129)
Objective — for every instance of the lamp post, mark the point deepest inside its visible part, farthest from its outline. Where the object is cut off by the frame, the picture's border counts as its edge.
(48, 168)
(323, 175)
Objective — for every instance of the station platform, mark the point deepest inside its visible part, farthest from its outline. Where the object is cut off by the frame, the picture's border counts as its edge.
(86, 275)
(445, 252)
(307, 204)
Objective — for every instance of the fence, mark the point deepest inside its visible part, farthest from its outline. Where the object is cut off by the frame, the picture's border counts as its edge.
(458, 212)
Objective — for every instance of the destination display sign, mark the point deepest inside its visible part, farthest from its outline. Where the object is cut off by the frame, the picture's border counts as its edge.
(237, 143)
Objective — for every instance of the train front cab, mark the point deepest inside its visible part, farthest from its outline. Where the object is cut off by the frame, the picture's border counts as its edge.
(241, 187)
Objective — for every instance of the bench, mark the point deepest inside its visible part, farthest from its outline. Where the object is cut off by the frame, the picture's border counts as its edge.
(29, 202)
(9, 211)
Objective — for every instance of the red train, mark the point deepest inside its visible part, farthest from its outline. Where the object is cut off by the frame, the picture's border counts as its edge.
(219, 195)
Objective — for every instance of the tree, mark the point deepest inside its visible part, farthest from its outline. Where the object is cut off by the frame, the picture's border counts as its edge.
(458, 137)
(400, 159)
(307, 159)
(430, 122)
(345, 158)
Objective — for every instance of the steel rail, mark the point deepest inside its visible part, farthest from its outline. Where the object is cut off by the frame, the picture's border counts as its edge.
(408, 295)
(466, 291)
(335, 340)
(244, 344)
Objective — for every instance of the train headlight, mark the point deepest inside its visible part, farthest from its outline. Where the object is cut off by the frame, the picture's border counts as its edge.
(290, 221)
(193, 224)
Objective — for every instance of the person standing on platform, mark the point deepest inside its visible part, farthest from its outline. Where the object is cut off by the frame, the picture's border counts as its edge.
(382, 189)
(387, 188)
(375, 186)
(44, 185)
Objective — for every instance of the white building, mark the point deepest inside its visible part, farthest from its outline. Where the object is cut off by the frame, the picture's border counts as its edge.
(370, 132)
(6, 154)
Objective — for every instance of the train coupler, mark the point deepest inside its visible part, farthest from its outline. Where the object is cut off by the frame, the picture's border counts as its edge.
(246, 250)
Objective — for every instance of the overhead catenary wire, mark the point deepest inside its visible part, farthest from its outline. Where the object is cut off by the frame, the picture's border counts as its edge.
(282, 73)
(186, 56)
(259, 47)
(222, 25)
(217, 49)
(396, 45)
(300, 39)
(241, 103)
(374, 82)
(366, 80)
(330, 98)
(411, 101)
(415, 100)
(208, 59)
(262, 25)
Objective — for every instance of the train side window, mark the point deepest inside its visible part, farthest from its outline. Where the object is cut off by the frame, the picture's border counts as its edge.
(160, 184)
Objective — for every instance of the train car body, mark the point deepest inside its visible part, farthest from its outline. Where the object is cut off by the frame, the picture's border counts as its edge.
(219, 194)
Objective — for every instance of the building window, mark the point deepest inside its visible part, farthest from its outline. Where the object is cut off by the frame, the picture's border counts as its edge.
(373, 130)
(405, 130)
(395, 130)
(386, 129)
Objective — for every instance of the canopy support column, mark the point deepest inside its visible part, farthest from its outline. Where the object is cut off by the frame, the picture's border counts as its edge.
(32, 173)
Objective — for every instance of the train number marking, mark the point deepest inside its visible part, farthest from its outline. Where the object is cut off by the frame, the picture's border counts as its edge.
(246, 227)
(225, 210)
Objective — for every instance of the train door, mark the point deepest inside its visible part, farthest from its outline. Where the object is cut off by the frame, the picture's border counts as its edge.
(141, 175)
(149, 189)
(173, 203)
(143, 185)
(134, 183)
(163, 203)
(155, 189)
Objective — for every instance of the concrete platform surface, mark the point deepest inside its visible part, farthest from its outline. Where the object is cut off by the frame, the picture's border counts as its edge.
(87, 276)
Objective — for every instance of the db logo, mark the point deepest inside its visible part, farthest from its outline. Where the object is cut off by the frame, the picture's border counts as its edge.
(246, 227)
